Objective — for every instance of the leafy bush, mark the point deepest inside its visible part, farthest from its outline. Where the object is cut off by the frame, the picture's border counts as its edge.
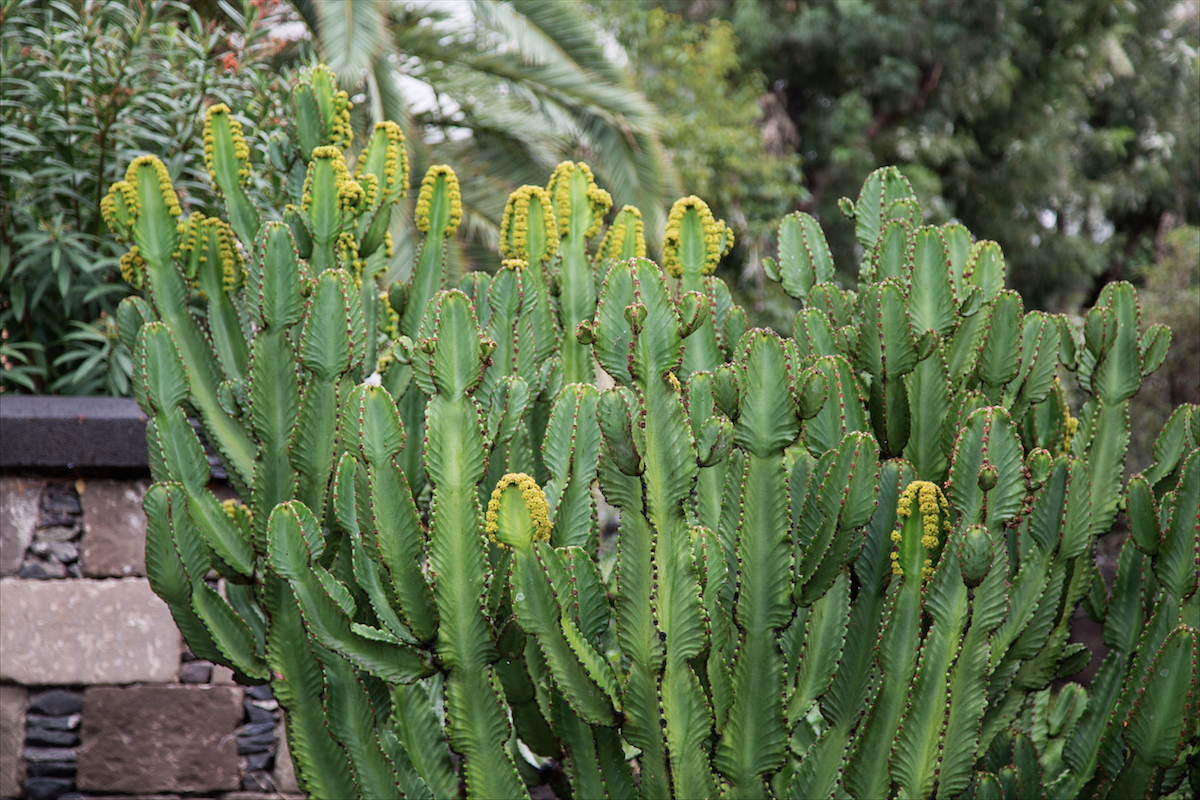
(87, 86)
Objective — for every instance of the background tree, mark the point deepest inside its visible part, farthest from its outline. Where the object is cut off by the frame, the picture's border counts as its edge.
(727, 137)
(1063, 130)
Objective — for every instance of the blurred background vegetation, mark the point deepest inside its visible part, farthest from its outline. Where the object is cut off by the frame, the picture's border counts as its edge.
(1067, 131)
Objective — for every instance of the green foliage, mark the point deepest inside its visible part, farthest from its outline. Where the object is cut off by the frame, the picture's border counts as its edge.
(1062, 130)
(1170, 297)
(728, 136)
(846, 562)
(87, 86)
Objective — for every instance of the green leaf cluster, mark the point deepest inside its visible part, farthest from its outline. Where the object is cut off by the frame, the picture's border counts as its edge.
(86, 86)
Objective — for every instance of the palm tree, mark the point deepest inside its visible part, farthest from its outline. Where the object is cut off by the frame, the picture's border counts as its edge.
(502, 91)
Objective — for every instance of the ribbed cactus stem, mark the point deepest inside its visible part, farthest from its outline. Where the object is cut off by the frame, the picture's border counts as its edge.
(438, 213)
(453, 356)
(579, 208)
(144, 207)
(228, 160)
(922, 523)
(647, 329)
(753, 741)
(692, 247)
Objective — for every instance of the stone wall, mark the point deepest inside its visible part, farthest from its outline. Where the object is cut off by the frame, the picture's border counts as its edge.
(99, 697)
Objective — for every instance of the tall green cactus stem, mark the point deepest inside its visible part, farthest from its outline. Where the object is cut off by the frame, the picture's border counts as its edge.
(228, 160)
(322, 112)
(754, 738)
(382, 170)
(637, 340)
(438, 213)
(453, 354)
(143, 208)
(571, 449)
(579, 209)
(887, 352)
(332, 343)
(919, 540)
(692, 247)
(529, 232)
(520, 324)
(384, 510)
(274, 391)
(624, 239)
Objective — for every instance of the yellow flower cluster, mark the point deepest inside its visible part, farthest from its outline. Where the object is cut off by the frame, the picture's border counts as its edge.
(514, 226)
(932, 506)
(240, 151)
(129, 204)
(425, 198)
(559, 188)
(348, 251)
(133, 267)
(233, 266)
(392, 328)
(388, 248)
(341, 174)
(340, 133)
(233, 508)
(718, 239)
(535, 502)
(515, 264)
(614, 239)
(370, 187)
(395, 162)
(351, 196)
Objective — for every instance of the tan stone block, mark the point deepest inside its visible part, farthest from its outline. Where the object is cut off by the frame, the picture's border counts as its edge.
(159, 739)
(13, 700)
(18, 520)
(85, 632)
(285, 773)
(222, 675)
(114, 529)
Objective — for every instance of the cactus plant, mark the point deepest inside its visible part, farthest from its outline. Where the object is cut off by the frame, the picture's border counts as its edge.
(846, 561)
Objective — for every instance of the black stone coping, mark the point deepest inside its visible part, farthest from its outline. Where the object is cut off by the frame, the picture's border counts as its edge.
(71, 432)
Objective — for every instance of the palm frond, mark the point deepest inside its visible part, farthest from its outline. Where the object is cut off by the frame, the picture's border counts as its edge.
(351, 35)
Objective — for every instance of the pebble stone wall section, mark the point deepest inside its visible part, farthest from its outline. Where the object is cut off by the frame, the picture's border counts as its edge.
(98, 695)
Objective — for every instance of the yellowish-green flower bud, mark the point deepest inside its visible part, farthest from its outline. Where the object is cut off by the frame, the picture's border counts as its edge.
(425, 198)
(519, 517)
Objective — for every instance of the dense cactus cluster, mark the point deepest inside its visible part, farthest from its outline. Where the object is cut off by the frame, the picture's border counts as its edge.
(846, 562)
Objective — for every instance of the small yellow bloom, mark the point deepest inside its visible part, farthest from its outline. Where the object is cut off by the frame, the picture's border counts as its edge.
(535, 504)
